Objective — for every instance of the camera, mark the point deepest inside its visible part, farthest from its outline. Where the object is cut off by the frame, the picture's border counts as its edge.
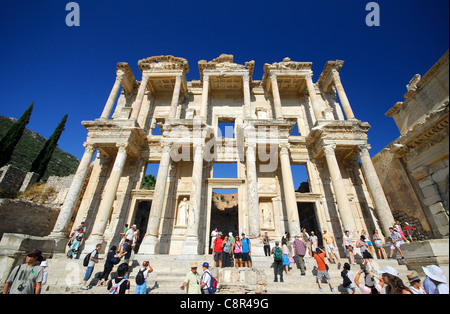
(20, 287)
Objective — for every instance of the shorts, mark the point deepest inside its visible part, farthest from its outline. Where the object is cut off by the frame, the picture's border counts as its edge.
(397, 244)
(350, 287)
(330, 248)
(238, 255)
(323, 273)
(218, 256)
(367, 255)
(246, 257)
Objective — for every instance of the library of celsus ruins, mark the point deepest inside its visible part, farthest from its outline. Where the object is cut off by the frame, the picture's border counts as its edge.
(163, 120)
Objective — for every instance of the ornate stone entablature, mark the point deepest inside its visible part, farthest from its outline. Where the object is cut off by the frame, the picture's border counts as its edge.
(164, 63)
(224, 64)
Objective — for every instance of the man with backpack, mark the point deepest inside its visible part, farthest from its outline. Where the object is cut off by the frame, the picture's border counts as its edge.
(277, 261)
(90, 260)
(120, 285)
(141, 278)
(208, 284)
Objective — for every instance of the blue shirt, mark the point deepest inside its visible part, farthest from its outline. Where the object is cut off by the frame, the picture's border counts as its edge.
(245, 245)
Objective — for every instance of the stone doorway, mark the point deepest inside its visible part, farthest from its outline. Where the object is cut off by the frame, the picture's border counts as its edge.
(141, 221)
(224, 212)
(308, 219)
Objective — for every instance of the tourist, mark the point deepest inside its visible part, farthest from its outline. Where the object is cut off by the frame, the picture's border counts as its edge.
(394, 285)
(205, 281)
(307, 240)
(141, 278)
(122, 238)
(286, 237)
(246, 251)
(266, 242)
(192, 280)
(120, 284)
(218, 250)
(409, 231)
(299, 254)
(314, 242)
(437, 277)
(277, 262)
(226, 251)
(415, 284)
(363, 247)
(322, 269)
(82, 226)
(75, 242)
(93, 259)
(399, 229)
(286, 256)
(112, 258)
(347, 276)
(397, 241)
(26, 278)
(214, 234)
(237, 252)
(371, 288)
(348, 247)
(44, 265)
(369, 243)
(330, 247)
(378, 244)
(126, 252)
(131, 236)
(230, 236)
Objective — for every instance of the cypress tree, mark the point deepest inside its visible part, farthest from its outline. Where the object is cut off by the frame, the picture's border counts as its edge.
(40, 164)
(12, 137)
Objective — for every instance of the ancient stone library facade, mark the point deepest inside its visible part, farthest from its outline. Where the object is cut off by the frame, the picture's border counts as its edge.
(175, 124)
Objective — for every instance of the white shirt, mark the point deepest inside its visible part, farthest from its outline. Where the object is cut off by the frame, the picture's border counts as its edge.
(442, 288)
(417, 291)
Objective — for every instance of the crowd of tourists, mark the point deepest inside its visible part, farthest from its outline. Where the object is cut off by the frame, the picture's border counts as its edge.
(236, 251)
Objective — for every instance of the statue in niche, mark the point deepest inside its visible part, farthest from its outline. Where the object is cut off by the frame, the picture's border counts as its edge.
(183, 212)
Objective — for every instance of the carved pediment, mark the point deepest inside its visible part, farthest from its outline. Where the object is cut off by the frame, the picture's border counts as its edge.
(164, 63)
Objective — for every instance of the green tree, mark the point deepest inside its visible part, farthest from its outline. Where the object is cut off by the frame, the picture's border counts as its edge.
(149, 182)
(40, 164)
(12, 137)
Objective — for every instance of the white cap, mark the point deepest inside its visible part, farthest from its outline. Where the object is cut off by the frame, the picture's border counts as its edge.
(44, 264)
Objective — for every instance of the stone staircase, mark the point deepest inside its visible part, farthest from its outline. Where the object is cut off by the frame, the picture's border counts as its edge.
(66, 275)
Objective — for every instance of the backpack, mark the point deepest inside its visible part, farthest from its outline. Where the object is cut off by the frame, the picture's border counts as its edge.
(87, 258)
(140, 277)
(115, 288)
(212, 283)
(278, 255)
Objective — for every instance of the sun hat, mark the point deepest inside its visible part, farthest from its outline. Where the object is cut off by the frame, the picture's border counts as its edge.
(194, 265)
(435, 273)
(388, 270)
(44, 264)
(413, 277)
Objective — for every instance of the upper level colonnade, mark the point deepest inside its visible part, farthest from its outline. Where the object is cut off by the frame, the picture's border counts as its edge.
(166, 75)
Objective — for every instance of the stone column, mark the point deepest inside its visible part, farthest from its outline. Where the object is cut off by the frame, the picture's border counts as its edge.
(339, 190)
(247, 99)
(175, 96)
(136, 106)
(109, 196)
(252, 190)
(342, 96)
(382, 208)
(74, 192)
(276, 97)
(113, 95)
(191, 244)
(313, 97)
(289, 192)
(205, 92)
(148, 245)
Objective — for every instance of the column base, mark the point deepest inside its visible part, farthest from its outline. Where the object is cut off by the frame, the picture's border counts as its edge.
(191, 246)
(91, 243)
(149, 245)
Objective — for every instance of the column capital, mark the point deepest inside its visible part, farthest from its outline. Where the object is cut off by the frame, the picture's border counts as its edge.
(363, 149)
(91, 147)
(328, 149)
(123, 147)
(284, 148)
(246, 77)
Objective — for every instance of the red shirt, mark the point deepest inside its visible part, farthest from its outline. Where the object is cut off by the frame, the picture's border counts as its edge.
(320, 258)
(218, 243)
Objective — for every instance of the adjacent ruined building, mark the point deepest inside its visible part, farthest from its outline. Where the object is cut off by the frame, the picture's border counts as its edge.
(164, 119)
(414, 168)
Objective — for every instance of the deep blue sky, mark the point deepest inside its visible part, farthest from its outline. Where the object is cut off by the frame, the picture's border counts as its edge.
(72, 69)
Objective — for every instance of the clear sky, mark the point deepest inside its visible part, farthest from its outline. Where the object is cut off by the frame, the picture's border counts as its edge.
(72, 69)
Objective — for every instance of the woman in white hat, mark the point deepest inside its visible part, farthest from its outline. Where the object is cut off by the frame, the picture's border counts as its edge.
(437, 276)
(394, 285)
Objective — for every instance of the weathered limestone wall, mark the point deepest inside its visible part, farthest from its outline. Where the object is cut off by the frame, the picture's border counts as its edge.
(18, 216)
